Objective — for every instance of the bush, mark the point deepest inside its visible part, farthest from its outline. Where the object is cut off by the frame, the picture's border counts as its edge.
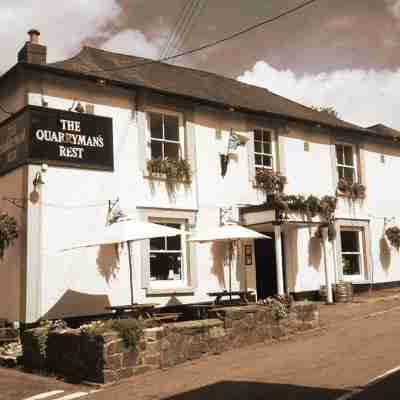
(131, 330)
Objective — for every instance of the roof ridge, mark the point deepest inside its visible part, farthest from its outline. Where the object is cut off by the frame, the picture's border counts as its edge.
(105, 62)
(73, 58)
(245, 84)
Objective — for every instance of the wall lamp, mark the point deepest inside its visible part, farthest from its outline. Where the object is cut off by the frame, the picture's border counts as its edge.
(38, 179)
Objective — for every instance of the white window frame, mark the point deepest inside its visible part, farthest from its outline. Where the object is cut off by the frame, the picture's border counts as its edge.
(184, 281)
(361, 253)
(273, 149)
(182, 141)
(355, 165)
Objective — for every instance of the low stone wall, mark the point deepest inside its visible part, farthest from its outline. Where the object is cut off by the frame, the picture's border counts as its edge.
(105, 358)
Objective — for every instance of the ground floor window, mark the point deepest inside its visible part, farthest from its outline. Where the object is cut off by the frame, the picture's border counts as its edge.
(352, 253)
(167, 258)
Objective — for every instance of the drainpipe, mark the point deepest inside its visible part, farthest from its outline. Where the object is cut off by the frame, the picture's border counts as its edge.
(278, 257)
(328, 283)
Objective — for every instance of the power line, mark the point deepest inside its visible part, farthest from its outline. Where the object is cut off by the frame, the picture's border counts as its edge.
(196, 11)
(211, 44)
(175, 31)
(5, 111)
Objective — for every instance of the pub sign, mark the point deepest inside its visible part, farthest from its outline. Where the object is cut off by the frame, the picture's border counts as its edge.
(43, 135)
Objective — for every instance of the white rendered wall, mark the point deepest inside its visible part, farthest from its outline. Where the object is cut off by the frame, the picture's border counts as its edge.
(73, 201)
(383, 201)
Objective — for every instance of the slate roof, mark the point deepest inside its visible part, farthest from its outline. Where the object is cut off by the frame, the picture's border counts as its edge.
(192, 83)
(385, 131)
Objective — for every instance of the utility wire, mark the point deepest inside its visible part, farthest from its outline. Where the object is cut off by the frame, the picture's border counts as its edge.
(211, 44)
(175, 31)
(196, 11)
(5, 111)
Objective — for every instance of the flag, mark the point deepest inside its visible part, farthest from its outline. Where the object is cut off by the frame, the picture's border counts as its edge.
(234, 143)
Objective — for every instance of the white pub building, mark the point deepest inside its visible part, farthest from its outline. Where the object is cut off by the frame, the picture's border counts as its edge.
(181, 147)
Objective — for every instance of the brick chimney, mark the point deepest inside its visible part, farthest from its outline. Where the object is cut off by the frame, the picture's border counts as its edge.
(33, 52)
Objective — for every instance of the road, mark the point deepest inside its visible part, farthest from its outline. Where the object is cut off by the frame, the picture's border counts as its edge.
(357, 344)
(16, 385)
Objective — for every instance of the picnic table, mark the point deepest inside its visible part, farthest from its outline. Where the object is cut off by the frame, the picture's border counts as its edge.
(243, 294)
(139, 310)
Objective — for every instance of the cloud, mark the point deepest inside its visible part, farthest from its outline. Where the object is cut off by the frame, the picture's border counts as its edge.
(64, 25)
(132, 42)
(364, 97)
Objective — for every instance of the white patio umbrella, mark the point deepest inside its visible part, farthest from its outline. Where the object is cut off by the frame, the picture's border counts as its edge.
(125, 230)
(230, 232)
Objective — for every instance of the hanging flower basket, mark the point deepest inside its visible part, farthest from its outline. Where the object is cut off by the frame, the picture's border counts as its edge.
(354, 190)
(393, 235)
(8, 232)
(270, 181)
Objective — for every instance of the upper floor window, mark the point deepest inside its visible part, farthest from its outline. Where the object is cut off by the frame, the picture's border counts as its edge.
(166, 137)
(263, 149)
(346, 161)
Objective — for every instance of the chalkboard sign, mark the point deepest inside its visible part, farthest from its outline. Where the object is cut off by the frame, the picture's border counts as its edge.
(56, 137)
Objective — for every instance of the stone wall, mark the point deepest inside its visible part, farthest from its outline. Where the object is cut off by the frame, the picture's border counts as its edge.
(105, 358)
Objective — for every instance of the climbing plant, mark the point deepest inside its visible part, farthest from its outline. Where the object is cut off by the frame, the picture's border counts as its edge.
(8, 232)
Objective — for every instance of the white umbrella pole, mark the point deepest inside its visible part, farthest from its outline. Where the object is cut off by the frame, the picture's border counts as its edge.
(130, 270)
(231, 254)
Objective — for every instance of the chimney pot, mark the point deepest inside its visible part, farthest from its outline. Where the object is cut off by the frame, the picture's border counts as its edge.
(33, 52)
(34, 36)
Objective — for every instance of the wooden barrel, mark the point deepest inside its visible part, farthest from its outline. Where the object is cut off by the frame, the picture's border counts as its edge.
(343, 292)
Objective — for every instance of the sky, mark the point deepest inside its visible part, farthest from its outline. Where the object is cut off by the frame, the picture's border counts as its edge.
(344, 54)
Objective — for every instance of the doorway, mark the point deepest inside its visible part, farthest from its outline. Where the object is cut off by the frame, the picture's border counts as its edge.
(266, 266)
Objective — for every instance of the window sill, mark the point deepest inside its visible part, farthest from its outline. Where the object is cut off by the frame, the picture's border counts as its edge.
(358, 281)
(169, 291)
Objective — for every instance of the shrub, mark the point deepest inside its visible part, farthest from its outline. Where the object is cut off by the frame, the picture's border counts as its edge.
(279, 304)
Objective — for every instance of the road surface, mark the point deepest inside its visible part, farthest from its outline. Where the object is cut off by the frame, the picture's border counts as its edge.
(358, 342)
